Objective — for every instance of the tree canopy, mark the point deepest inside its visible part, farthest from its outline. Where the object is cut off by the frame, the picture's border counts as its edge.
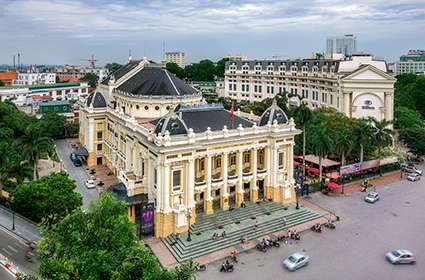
(100, 244)
(204, 70)
(91, 78)
(48, 199)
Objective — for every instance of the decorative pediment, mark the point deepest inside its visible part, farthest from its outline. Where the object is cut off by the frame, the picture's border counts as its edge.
(368, 72)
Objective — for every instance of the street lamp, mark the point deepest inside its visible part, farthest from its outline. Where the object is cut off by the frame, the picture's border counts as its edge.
(188, 215)
(13, 220)
(296, 195)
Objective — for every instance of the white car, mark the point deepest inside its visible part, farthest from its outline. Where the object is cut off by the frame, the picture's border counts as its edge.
(413, 177)
(295, 261)
(90, 184)
(400, 256)
(413, 169)
(371, 197)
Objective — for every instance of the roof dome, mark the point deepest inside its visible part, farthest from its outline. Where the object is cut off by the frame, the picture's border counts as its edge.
(96, 100)
(172, 123)
(273, 113)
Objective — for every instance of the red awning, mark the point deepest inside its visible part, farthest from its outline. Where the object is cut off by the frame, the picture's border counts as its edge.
(333, 185)
(333, 175)
(296, 163)
(312, 169)
(298, 156)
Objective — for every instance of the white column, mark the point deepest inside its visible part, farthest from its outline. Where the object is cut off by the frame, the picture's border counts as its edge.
(190, 184)
(388, 106)
(267, 166)
(159, 190)
(273, 163)
(240, 168)
(254, 172)
(290, 161)
(224, 174)
(166, 188)
(209, 178)
(347, 103)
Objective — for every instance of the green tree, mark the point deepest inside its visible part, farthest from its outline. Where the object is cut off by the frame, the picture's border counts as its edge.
(406, 117)
(175, 69)
(414, 139)
(91, 78)
(362, 133)
(98, 244)
(322, 145)
(35, 145)
(52, 125)
(220, 67)
(303, 116)
(382, 134)
(343, 143)
(202, 71)
(112, 67)
(46, 200)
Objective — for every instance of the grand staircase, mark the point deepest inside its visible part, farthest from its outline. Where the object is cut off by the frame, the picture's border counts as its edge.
(240, 222)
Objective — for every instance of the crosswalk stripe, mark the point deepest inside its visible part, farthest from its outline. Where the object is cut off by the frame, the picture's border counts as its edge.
(6, 251)
(11, 248)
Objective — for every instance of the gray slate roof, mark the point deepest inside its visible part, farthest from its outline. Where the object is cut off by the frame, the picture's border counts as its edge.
(122, 71)
(200, 117)
(157, 81)
(96, 100)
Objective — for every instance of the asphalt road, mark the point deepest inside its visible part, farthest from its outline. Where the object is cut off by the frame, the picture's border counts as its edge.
(5, 275)
(15, 249)
(78, 174)
(356, 248)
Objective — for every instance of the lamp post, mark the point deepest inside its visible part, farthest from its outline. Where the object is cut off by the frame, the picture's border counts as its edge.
(13, 220)
(296, 195)
(188, 215)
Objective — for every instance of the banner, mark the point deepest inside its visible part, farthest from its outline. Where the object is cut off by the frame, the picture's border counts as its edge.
(147, 219)
(351, 168)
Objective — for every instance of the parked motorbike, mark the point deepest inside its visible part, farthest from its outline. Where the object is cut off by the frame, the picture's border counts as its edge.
(330, 225)
(225, 267)
(200, 267)
(261, 247)
(273, 243)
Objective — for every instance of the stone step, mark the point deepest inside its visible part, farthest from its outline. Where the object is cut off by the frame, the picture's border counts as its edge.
(231, 220)
(181, 251)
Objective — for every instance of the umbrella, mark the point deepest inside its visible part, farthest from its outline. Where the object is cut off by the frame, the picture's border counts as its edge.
(333, 185)
(333, 175)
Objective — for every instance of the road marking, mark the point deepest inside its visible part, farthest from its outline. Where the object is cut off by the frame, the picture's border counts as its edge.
(6, 251)
(11, 248)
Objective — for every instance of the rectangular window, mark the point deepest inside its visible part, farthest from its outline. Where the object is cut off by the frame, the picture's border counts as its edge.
(143, 168)
(218, 162)
(281, 160)
(99, 135)
(246, 157)
(99, 147)
(176, 180)
(155, 178)
(232, 159)
(230, 86)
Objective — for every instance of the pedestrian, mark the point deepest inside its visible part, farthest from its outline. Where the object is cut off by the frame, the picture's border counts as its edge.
(255, 225)
(284, 221)
(223, 234)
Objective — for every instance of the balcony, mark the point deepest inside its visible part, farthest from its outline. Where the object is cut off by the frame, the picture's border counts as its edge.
(216, 178)
(199, 181)
(247, 171)
(131, 180)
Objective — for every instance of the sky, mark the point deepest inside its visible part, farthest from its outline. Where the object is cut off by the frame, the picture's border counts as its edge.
(68, 31)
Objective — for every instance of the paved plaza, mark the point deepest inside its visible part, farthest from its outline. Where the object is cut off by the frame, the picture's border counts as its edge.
(355, 250)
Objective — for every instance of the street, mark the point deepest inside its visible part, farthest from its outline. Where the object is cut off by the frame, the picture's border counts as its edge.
(5, 275)
(356, 248)
(15, 249)
(77, 174)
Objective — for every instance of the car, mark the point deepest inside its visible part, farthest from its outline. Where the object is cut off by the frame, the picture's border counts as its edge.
(75, 160)
(90, 184)
(371, 197)
(413, 177)
(412, 169)
(400, 256)
(296, 261)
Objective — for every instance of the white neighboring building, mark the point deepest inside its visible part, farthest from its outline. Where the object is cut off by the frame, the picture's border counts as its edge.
(412, 62)
(359, 86)
(35, 79)
(176, 57)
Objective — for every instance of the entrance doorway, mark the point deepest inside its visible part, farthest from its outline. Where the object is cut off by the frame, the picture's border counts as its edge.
(232, 195)
(260, 184)
(216, 199)
(246, 189)
(199, 202)
(99, 161)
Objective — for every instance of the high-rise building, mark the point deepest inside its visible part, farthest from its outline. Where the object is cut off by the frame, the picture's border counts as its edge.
(358, 87)
(412, 62)
(175, 57)
(346, 45)
(236, 57)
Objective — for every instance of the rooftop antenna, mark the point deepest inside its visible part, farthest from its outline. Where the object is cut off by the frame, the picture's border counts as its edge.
(19, 61)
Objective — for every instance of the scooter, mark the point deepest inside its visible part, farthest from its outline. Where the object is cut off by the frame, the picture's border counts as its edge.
(201, 267)
(226, 268)
(330, 225)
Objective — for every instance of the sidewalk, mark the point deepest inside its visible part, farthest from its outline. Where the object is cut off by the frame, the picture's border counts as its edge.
(24, 228)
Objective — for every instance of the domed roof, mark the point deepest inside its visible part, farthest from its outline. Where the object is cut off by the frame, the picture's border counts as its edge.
(273, 113)
(171, 122)
(96, 100)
